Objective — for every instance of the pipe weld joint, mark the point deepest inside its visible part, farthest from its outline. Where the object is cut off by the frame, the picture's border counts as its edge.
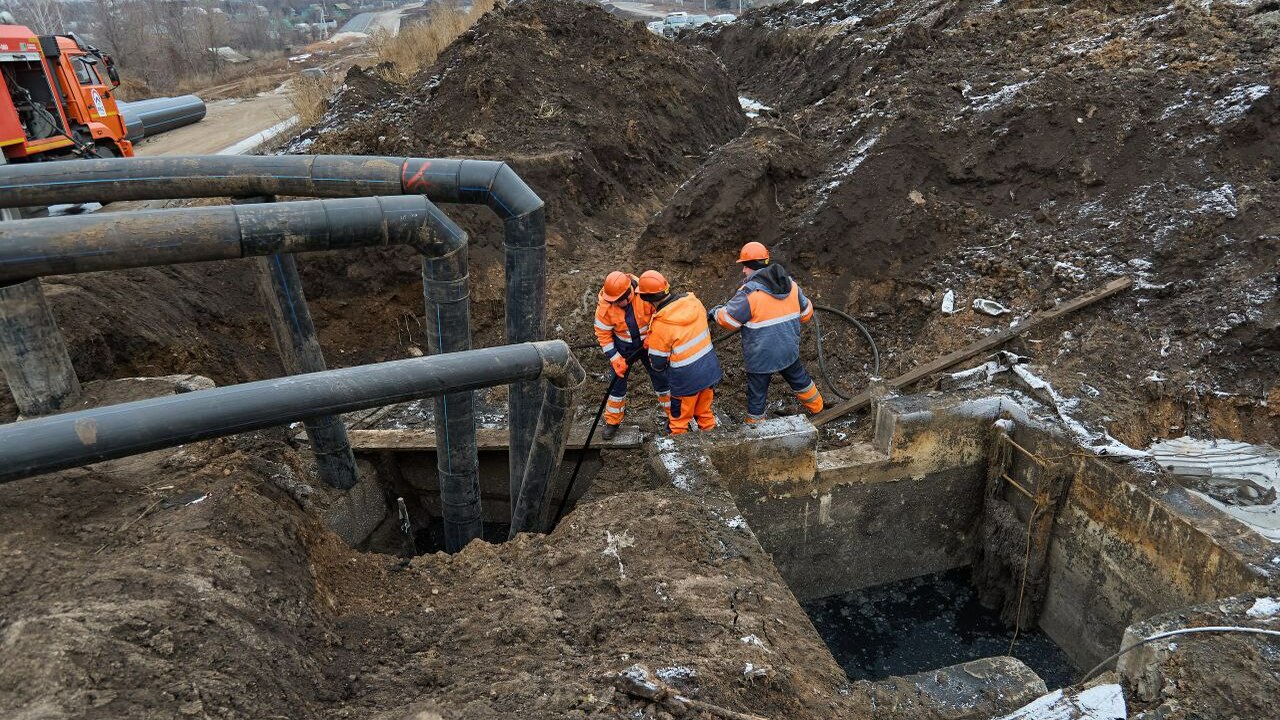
(447, 291)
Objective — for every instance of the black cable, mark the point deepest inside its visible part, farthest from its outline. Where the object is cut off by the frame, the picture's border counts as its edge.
(582, 454)
(822, 358)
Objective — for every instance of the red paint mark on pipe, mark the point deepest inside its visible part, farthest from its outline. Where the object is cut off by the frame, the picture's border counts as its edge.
(413, 183)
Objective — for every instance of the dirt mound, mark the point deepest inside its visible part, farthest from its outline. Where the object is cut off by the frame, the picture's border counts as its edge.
(199, 582)
(1023, 152)
(600, 117)
(542, 78)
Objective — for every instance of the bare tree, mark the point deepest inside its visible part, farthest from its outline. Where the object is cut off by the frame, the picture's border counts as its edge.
(42, 16)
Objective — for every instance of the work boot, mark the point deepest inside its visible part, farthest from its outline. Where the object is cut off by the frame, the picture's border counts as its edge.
(609, 432)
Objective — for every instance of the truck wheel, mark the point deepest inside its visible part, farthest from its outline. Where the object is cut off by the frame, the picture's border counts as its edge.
(106, 150)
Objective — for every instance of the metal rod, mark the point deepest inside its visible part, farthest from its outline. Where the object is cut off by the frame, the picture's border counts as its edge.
(1033, 457)
(1016, 486)
(42, 445)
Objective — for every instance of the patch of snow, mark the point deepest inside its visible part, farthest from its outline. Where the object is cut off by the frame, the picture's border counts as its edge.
(753, 640)
(1099, 442)
(1264, 607)
(1236, 103)
(752, 108)
(614, 543)
(1100, 702)
(678, 674)
(983, 103)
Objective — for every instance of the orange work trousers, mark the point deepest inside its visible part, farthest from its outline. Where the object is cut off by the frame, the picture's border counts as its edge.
(692, 408)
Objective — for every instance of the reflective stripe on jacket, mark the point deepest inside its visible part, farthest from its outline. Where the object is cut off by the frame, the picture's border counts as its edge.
(680, 346)
(768, 308)
(622, 328)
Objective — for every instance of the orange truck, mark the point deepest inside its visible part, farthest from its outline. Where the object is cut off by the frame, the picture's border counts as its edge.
(56, 101)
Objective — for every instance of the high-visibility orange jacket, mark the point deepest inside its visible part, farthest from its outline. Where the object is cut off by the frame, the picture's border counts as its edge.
(769, 308)
(622, 328)
(680, 345)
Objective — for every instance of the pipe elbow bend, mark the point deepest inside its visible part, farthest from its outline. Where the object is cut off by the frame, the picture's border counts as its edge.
(559, 366)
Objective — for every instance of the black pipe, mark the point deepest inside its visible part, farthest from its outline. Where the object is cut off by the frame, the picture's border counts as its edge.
(33, 357)
(57, 442)
(158, 115)
(448, 323)
(113, 241)
(486, 182)
(295, 334)
(555, 417)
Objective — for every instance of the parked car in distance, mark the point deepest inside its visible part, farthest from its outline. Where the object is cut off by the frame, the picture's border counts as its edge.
(699, 20)
(655, 27)
(724, 18)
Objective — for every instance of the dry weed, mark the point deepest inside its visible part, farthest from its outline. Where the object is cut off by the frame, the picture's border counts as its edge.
(418, 45)
(309, 97)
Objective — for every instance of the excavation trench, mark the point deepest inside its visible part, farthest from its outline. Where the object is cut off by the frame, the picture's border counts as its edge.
(968, 517)
(408, 518)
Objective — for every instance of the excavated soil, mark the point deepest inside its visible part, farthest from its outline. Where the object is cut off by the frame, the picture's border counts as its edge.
(1019, 151)
(1022, 152)
(198, 582)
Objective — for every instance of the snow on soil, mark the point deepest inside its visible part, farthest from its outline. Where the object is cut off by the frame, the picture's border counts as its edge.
(1264, 607)
(1101, 702)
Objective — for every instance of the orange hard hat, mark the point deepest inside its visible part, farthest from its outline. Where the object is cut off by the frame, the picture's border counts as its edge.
(652, 283)
(753, 251)
(615, 285)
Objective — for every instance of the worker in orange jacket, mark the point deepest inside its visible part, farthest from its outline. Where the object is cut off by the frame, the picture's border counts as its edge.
(768, 309)
(622, 324)
(679, 346)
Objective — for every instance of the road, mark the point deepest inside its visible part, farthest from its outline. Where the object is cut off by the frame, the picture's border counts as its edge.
(369, 22)
(238, 126)
(227, 123)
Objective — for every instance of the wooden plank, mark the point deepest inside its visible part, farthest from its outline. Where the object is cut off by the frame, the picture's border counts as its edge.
(629, 436)
(990, 342)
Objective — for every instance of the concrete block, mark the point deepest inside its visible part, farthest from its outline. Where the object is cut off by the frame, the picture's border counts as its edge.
(682, 461)
(923, 434)
(976, 690)
(777, 457)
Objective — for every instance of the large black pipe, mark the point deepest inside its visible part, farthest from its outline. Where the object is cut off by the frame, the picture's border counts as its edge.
(158, 115)
(486, 182)
(114, 241)
(448, 325)
(295, 334)
(554, 421)
(33, 447)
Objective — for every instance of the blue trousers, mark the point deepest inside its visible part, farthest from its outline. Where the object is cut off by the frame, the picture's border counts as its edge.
(758, 387)
(615, 406)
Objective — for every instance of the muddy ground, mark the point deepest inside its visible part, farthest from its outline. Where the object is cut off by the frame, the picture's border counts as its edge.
(1021, 151)
(199, 582)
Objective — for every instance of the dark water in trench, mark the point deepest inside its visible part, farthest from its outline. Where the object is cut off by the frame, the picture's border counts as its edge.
(923, 624)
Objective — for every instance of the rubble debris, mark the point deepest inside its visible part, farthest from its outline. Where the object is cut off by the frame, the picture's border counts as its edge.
(1239, 478)
(990, 307)
(638, 681)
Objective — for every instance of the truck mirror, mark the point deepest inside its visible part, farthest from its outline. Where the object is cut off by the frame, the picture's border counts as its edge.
(113, 75)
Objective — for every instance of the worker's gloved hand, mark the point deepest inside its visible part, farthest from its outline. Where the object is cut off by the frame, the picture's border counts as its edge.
(619, 364)
(711, 314)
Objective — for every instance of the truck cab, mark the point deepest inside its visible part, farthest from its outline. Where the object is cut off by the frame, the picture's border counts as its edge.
(56, 101)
